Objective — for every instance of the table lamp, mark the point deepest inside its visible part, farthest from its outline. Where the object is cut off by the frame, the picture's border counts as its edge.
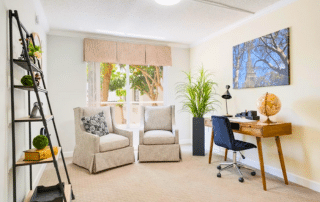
(227, 96)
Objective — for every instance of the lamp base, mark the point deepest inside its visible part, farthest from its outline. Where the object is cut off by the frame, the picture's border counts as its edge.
(227, 115)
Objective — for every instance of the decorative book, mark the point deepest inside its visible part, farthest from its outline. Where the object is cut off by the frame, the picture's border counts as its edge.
(39, 154)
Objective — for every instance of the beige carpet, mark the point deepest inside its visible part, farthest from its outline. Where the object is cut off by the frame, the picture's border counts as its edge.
(193, 179)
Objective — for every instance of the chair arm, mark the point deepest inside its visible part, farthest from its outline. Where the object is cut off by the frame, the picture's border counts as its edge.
(126, 133)
(88, 142)
(175, 132)
(141, 134)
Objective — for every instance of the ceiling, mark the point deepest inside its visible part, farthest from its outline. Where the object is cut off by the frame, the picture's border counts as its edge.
(185, 22)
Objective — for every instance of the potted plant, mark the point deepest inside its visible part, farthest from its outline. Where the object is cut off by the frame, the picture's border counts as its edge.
(198, 98)
(34, 52)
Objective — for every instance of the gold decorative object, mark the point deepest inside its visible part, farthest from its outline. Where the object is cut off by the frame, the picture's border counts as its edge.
(39, 154)
(268, 105)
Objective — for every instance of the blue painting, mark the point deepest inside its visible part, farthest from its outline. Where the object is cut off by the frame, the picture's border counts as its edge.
(262, 62)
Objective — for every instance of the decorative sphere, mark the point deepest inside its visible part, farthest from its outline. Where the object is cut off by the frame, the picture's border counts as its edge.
(40, 142)
(269, 104)
(27, 80)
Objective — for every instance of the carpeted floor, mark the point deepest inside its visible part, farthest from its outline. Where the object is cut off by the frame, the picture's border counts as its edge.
(192, 179)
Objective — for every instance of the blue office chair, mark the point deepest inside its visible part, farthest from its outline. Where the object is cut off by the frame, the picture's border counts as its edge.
(223, 137)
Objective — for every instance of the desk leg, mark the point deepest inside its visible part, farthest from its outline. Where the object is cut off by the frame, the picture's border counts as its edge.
(211, 146)
(261, 163)
(283, 167)
(226, 155)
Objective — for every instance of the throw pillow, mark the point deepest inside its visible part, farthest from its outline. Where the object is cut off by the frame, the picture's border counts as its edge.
(96, 124)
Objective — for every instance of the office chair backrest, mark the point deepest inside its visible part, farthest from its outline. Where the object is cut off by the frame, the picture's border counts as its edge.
(223, 134)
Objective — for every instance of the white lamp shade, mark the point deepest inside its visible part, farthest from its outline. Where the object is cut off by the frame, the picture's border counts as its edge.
(167, 2)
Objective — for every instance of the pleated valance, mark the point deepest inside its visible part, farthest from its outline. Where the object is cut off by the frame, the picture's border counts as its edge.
(100, 51)
(126, 53)
(133, 54)
(158, 55)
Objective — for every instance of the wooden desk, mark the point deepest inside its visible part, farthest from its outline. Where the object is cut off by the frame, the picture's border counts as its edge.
(259, 130)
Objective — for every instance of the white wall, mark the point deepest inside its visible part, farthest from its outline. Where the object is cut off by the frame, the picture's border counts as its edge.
(67, 81)
(300, 100)
(174, 74)
(67, 84)
(27, 14)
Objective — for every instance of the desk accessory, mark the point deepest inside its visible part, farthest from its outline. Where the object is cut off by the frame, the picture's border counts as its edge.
(268, 105)
(227, 96)
(251, 115)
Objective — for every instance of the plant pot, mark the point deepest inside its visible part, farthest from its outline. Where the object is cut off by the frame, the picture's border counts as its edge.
(198, 136)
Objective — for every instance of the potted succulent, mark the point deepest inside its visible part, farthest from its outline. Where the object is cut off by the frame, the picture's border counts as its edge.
(198, 98)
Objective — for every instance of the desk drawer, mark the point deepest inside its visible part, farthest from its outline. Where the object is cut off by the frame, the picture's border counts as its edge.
(251, 131)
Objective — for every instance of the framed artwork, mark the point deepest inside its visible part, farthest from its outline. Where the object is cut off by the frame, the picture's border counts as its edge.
(263, 61)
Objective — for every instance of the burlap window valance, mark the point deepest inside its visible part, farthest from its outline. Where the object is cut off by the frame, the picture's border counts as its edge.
(126, 53)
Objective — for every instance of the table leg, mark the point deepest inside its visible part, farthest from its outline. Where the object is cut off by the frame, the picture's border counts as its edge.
(261, 163)
(211, 146)
(226, 155)
(283, 167)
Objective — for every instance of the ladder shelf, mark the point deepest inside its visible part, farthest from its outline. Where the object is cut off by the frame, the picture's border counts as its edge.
(31, 68)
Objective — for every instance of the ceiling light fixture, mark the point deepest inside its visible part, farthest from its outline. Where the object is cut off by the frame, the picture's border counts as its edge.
(167, 2)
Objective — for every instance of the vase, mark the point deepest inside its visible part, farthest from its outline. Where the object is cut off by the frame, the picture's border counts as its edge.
(198, 136)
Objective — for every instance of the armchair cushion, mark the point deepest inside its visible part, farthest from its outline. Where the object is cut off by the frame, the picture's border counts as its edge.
(158, 137)
(113, 141)
(90, 111)
(158, 118)
(95, 124)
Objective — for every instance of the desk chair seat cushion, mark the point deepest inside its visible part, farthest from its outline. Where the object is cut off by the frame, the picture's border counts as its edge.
(240, 145)
(158, 137)
(112, 142)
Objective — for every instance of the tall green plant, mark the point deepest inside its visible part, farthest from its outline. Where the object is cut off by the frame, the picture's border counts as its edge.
(198, 94)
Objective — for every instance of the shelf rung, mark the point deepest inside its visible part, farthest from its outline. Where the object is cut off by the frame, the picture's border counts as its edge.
(28, 119)
(21, 161)
(28, 88)
(24, 65)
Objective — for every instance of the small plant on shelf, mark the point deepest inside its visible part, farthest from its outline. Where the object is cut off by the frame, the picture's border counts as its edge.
(34, 50)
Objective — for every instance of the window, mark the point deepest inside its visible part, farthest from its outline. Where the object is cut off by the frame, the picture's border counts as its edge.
(126, 87)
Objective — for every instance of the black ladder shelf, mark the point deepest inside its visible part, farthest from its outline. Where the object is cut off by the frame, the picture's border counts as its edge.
(31, 68)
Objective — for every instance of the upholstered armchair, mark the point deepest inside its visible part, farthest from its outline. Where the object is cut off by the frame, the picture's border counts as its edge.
(158, 135)
(100, 153)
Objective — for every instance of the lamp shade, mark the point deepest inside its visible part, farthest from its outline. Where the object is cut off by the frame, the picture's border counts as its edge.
(227, 94)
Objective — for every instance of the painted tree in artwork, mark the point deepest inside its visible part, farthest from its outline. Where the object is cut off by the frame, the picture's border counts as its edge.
(263, 61)
(272, 53)
(238, 53)
(146, 79)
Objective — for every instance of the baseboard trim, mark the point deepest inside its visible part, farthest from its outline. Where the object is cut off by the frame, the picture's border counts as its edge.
(68, 154)
(185, 141)
(278, 172)
(269, 169)
(39, 175)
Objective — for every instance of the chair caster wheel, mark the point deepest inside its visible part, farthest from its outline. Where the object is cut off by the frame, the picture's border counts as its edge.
(241, 179)
(253, 173)
(219, 175)
(219, 167)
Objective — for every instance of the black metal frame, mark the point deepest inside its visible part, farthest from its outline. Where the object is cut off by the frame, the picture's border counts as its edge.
(36, 90)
